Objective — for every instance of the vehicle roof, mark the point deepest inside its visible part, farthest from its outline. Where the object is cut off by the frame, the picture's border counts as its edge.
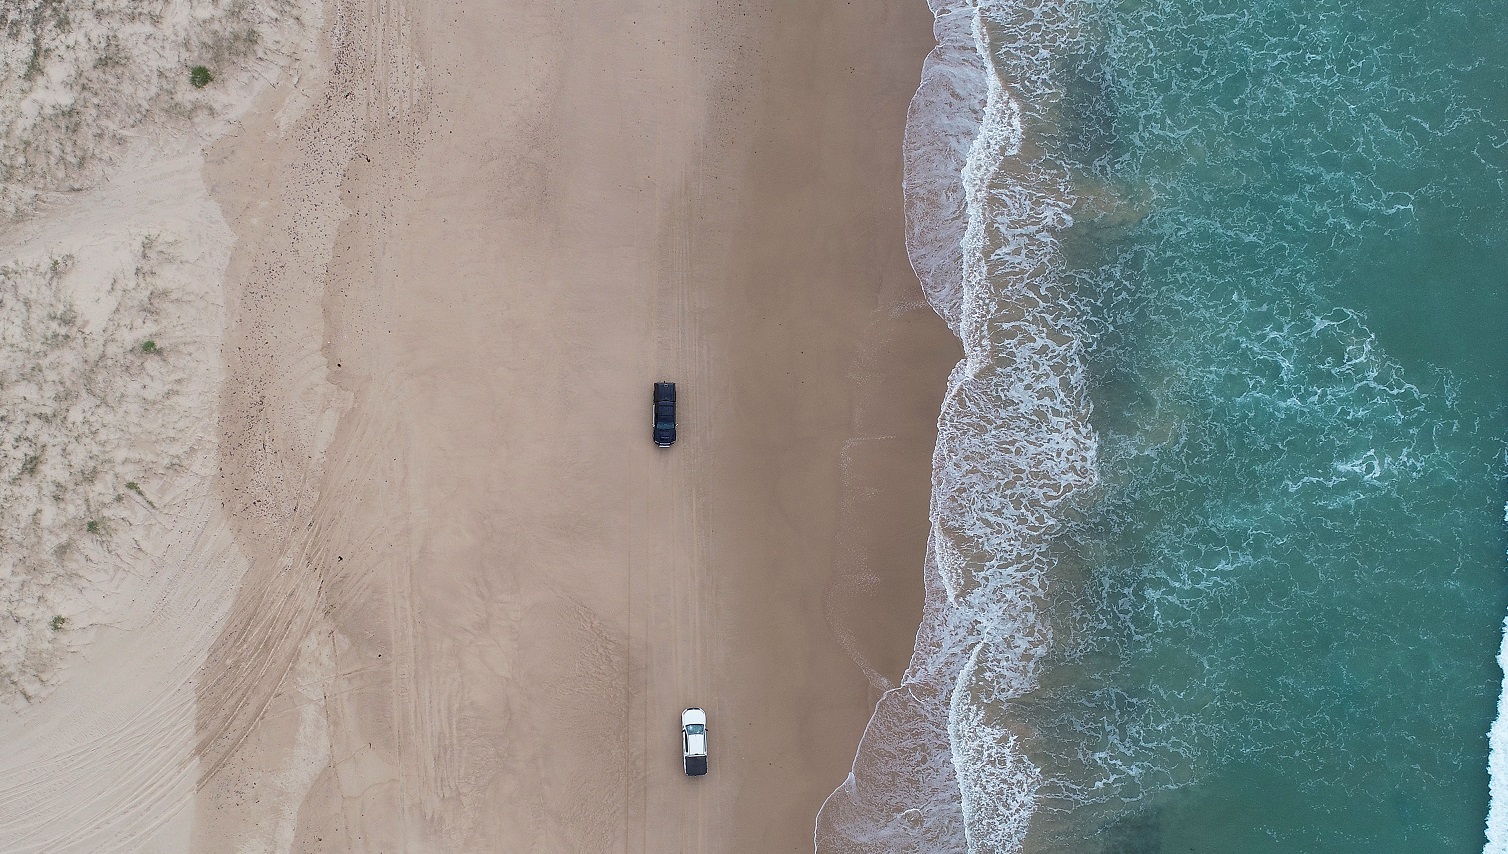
(693, 716)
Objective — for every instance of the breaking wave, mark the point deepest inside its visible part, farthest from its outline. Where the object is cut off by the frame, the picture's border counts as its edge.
(1264, 554)
(942, 766)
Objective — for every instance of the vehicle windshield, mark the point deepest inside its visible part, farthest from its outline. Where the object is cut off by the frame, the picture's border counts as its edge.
(695, 729)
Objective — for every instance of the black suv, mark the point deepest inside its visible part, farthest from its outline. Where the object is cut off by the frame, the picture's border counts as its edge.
(664, 430)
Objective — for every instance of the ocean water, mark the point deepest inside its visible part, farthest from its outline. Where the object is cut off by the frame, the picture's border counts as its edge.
(1218, 547)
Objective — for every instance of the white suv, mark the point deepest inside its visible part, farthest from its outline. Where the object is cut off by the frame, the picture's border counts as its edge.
(694, 741)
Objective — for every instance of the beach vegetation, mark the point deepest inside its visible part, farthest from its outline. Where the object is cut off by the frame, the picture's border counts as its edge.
(232, 45)
(78, 411)
(33, 65)
(107, 67)
(112, 54)
(136, 488)
(58, 622)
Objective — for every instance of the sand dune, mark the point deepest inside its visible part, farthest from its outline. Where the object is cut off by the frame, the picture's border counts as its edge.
(117, 566)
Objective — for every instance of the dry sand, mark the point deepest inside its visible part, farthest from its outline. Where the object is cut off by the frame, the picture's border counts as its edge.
(470, 597)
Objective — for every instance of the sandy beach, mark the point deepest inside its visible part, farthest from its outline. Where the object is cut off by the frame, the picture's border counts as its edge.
(451, 598)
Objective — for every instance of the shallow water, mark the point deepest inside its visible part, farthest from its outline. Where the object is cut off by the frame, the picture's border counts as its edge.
(1218, 544)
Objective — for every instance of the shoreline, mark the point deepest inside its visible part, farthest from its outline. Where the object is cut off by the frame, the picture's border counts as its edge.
(335, 525)
(844, 354)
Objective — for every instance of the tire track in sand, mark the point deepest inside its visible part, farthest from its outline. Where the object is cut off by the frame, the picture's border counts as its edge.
(294, 510)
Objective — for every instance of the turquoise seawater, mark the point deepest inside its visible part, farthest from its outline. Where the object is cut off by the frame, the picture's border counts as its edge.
(1290, 254)
(1217, 558)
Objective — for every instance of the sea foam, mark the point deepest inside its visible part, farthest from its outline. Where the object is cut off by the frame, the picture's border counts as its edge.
(1285, 510)
(1497, 758)
(942, 765)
